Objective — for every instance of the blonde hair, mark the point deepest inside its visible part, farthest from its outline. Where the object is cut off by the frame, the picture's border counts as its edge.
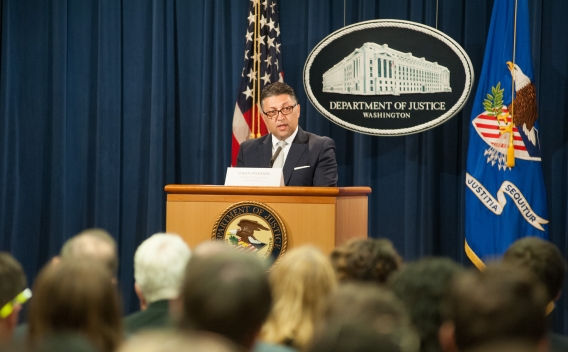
(300, 283)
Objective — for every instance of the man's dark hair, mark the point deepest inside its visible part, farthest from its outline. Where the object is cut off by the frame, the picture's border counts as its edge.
(227, 294)
(502, 302)
(543, 258)
(366, 260)
(355, 337)
(12, 278)
(277, 88)
(422, 286)
(367, 303)
(374, 310)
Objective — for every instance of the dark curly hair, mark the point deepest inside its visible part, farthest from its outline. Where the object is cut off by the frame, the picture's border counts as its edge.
(366, 260)
(543, 258)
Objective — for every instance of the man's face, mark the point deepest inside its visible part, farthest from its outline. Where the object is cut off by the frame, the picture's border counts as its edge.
(281, 126)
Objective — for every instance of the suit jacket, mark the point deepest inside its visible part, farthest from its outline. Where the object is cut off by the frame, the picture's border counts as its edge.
(155, 316)
(310, 161)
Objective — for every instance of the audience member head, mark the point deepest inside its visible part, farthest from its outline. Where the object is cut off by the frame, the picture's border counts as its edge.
(300, 283)
(211, 248)
(76, 296)
(543, 258)
(422, 286)
(96, 244)
(174, 341)
(366, 260)
(227, 294)
(360, 314)
(159, 267)
(501, 303)
(12, 286)
(355, 337)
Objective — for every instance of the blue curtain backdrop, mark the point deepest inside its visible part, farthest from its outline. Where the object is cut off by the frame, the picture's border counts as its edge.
(103, 102)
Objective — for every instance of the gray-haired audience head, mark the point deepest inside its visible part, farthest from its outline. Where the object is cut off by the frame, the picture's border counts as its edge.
(362, 316)
(543, 258)
(12, 283)
(159, 267)
(501, 303)
(96, 244)
(422, 286)
(228, 294)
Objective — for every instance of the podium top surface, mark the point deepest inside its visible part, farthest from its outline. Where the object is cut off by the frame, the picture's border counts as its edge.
(281, 191)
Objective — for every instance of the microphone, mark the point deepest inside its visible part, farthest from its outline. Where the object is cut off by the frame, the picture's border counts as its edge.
(275, 155)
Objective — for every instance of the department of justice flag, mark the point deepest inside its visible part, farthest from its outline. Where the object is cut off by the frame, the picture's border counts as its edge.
(505, 195)
(263, 65)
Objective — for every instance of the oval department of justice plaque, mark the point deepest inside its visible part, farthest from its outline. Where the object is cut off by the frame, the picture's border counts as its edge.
(388, 77)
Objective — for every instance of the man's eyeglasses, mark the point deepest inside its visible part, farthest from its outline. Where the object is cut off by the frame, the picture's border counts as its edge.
(284, 111)
(21, 298)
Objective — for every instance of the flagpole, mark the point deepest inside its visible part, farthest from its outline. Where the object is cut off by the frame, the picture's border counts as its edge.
(254, 39)
(247, 118)
(437, 14)
(511, 148)
(257, 69)
(344, 11)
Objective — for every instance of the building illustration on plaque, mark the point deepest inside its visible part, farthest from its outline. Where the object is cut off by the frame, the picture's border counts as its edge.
(375, 69)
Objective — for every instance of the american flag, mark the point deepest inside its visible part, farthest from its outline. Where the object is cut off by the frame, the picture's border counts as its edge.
(263, 65)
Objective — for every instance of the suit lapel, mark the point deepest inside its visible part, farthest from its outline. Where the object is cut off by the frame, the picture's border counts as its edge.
(297, 149)
(265, 151)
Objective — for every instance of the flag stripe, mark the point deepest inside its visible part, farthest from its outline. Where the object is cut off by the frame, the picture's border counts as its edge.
(497, 135)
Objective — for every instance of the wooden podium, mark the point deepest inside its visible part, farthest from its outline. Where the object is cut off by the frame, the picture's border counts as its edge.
(321, 216)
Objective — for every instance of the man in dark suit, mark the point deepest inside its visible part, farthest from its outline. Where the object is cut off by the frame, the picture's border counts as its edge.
(306, 159)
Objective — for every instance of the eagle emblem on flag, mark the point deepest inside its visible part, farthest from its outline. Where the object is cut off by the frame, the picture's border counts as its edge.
(497, 122)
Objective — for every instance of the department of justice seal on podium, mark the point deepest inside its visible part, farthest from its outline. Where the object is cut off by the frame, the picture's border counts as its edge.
(254, 228)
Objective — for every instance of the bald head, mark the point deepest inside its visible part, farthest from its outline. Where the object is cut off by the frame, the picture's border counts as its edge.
(94, 244)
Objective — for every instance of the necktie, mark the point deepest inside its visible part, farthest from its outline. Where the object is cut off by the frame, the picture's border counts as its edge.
(279, 162)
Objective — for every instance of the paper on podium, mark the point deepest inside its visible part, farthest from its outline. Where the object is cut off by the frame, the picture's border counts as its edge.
(254, 176)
